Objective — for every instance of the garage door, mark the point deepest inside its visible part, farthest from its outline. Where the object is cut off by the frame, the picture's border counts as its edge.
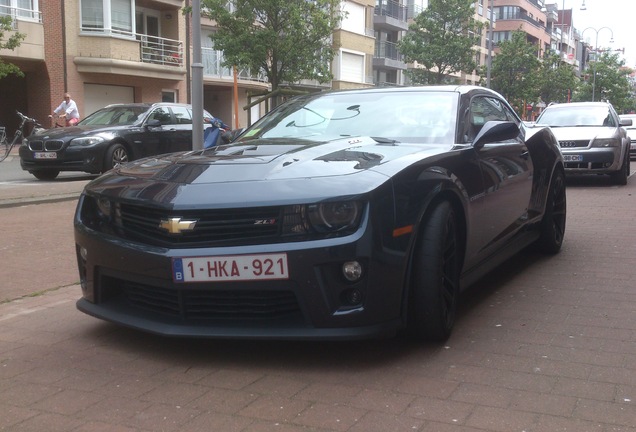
(97, 96)
(352, 67)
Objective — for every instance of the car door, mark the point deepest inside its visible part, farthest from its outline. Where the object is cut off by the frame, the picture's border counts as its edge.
(182, 139)
(158, 133)
(507, 170)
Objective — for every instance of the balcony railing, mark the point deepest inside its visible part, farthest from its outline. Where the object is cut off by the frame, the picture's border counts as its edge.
(391, 9)
(388, 50)
(20, 14)
(213, 67)
(152, 49)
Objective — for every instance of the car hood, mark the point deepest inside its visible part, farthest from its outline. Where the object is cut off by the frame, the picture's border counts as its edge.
(583, 133)
(264, 171)
(77, 131)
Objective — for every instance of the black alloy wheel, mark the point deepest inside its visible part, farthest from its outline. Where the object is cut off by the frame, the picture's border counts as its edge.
(435, 276)
(552, 228)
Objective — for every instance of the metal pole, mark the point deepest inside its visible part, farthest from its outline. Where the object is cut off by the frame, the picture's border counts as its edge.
(489, 63)
(197, 78)
(596, 54)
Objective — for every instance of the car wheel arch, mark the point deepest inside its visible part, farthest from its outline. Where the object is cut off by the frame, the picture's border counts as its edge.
(106, 162)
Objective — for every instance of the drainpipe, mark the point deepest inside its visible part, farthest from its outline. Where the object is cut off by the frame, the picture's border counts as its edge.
(187, 55)
(65, 89)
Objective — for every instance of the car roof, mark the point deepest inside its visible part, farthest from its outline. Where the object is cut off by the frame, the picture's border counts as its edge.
(147, 104)
(461, 89)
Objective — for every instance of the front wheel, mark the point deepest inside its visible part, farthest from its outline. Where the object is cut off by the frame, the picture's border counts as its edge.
(620, 177)
(552, 227)
(435, 276)
(48, 174)
(115, 156)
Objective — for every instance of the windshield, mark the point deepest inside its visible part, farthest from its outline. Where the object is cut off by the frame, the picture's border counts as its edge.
(118, 115)
(419, 117)
(576, 116)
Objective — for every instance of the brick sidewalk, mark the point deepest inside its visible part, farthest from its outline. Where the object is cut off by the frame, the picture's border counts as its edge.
(545, 344)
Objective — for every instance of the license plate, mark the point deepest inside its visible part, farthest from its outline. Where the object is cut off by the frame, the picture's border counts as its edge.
(572, 158)
(45, 155)
(230, 268)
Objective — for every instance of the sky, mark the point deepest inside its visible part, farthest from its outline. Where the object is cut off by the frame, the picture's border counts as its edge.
(617, 15)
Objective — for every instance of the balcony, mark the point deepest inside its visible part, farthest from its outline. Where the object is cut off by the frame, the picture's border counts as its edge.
(213, 69)
(126, 53)
(387, 56)
(390, 15)
(28, 22)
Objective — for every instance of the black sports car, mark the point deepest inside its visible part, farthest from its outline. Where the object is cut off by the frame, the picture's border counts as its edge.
(338, 215)
(112, 135)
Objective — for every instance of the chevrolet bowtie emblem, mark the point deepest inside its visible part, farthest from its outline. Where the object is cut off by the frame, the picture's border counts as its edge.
(176, 225)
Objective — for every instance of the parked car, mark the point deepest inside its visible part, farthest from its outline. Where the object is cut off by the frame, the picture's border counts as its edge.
(110, 136)
(592, 138)
(338, 215)
(631, 133)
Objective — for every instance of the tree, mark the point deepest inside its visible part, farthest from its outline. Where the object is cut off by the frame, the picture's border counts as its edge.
(515, 70)
(607, 79)
(442, 40)
(11, 43)
(557, 80)
(289, 40)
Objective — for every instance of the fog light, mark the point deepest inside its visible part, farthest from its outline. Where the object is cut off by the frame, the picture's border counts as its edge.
(83, 253)
(352, 270)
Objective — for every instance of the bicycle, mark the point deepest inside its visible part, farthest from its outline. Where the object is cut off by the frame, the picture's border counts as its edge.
(5, 146)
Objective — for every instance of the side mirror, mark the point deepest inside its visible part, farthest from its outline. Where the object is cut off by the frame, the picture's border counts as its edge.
(153, 123)
(626, 122)
(231, 135)
(495, 131)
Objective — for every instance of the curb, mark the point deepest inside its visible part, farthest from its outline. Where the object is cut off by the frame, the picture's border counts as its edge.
(19, 202)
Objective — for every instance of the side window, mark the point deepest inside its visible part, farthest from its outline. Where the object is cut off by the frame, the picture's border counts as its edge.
(482, 110)
(182, 115)
(162, 114)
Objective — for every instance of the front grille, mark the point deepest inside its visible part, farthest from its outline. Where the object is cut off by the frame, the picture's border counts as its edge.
(212, 226)
(574, 143)
(49, 145)
(206, 304)
(53, 145)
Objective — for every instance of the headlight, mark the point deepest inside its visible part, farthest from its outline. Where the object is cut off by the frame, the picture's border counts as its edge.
(104, 208)
(606, 142)
(86, 141)
(334, 216)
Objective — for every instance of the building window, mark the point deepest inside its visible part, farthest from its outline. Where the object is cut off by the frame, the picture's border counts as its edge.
(27, 9)
(107, 16)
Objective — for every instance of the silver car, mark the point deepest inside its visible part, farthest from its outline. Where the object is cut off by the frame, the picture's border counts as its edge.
(631, 132)
(592, 138)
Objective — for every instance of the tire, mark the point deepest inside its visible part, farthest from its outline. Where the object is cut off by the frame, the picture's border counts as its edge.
(115, 156)
(552, 229)
(48, 174)
(435, 276)
(620, 177)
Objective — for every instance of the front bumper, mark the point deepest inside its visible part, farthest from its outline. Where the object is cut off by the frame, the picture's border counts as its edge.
(602, 160)
(68, 159)
(132, 285)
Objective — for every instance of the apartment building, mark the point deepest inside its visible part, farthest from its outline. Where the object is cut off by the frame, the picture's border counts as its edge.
(109, 51)
(529, 16)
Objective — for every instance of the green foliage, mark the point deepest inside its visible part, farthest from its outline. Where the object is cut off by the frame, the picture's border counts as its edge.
(289, 40)
(11, 43)
(611, 82)
(558, 81)
(442, 40)
(516, 70)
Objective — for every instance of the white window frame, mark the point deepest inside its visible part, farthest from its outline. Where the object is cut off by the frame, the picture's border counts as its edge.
(107, 21)
(16, 9)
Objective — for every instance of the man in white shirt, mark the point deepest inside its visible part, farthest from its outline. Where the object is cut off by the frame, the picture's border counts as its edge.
(68, 110)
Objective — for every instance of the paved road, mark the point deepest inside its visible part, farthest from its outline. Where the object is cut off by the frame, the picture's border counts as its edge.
(544, 344)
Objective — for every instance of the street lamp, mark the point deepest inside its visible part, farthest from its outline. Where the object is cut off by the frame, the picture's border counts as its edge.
(596, 52)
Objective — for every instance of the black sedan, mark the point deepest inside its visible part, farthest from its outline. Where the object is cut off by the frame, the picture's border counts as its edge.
(110, 136)
(340, 215)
